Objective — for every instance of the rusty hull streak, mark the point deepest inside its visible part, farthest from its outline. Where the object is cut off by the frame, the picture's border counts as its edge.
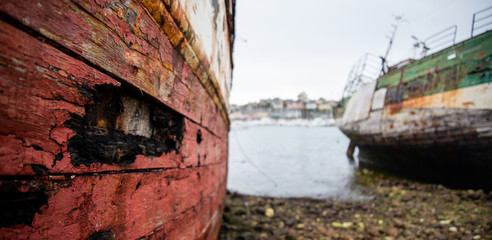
(474, 97)
(181, 35)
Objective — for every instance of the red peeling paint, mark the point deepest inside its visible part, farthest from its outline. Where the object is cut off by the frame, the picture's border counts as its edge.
(50, 74)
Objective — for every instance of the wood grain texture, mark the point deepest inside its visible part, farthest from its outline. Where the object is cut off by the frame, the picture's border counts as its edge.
(53, 86)
(126, 44)
(58, 60)
(131, 205)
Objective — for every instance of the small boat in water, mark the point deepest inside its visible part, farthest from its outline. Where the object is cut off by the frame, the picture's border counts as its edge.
(429, 118)
(113, 117)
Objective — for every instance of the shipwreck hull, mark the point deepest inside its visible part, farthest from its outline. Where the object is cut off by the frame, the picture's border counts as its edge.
(113, 119)
(455, 166)
(429, 119)
(450, 146)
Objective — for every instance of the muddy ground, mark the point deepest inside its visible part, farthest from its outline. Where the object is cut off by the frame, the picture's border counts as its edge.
(398, 209)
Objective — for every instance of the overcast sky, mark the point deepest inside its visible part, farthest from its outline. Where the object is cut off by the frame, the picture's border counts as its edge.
(284, 47)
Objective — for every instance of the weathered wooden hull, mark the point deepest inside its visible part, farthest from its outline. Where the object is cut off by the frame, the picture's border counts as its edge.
(432, 144)
(113, 120)
(431, 119)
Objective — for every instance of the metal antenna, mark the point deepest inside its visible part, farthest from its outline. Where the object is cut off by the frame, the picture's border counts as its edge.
(398, 19)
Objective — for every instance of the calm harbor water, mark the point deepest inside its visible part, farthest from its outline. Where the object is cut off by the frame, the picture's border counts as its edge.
(281, 161)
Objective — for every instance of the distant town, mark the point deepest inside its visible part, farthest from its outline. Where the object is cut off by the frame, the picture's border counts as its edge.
(284, 109)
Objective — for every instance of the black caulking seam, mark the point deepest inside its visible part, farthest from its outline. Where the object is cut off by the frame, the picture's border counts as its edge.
(94, 174)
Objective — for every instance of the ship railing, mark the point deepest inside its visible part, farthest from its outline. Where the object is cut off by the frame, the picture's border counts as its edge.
(482, 21)
(437, 41)
(368, 68)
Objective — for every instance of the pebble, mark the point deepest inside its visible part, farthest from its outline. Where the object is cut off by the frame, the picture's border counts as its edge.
(341, 225)
(392, 232)
(281, 225)
(269, 212)
(361, 226)
(445, 222)
(373, 231)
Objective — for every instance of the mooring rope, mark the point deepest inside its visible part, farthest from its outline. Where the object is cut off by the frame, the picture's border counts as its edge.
(251, 162)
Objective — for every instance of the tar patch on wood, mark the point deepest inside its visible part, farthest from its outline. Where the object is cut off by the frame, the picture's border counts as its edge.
(107, 234)
(18, 207)
(199, 136)
(119, 125)
(39, 169)
(58, 157)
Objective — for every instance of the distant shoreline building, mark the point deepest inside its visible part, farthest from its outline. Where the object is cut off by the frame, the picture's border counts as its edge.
(276, 108)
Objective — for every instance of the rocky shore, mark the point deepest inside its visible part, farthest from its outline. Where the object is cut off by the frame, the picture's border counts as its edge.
(397, 209)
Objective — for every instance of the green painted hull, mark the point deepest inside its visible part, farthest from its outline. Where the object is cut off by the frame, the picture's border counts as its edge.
(462, 65)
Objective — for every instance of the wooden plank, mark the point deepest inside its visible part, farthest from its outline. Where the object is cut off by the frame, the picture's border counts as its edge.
(202, 222)
(189, 25)
(143, 58)
(113, 204)
(55, 86)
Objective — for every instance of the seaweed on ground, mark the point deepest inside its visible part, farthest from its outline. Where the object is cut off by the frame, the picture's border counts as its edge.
(400, 209)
